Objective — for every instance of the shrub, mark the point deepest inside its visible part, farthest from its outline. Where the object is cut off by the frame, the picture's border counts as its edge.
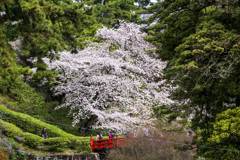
(26, 97)
(14, 143)
(13, 155)
(3, 155)
(55, 144)
(225, 134)
(13, 131)
(161, 145)
(9, 129)
(83, 147)
(35, 126)
(34, 141)
(31, 140)
(142, 149)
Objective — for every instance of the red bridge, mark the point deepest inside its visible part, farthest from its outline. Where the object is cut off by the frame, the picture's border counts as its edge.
(117, 142)
(106, 143)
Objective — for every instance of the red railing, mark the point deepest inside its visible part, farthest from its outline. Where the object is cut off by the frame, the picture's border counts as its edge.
(106, 143)
(116, 142)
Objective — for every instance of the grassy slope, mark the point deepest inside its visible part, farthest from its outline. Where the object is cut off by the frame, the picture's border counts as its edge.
(48, 113)
(9, 108)
(59, 118)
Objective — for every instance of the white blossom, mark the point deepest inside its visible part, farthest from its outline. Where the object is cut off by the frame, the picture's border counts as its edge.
(115, 79)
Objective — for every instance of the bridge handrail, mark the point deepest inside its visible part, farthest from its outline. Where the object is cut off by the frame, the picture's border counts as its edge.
(111, 142)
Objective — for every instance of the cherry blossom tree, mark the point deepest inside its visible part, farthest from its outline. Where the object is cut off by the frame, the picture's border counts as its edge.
(115, 80)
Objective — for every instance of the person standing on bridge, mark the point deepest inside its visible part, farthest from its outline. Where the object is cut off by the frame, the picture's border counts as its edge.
(111, 135)
(99, 136)
(44, 133)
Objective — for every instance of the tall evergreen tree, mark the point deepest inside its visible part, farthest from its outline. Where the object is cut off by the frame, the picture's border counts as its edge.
(108, 12)
(201, 41)
(46, 27)
(9, 70)
(203, 71)
(175, 21)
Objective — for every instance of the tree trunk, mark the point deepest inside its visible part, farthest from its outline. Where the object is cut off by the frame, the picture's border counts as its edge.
(86, 124)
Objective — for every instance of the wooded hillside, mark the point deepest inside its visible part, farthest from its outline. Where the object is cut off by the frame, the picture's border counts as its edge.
(98, 65)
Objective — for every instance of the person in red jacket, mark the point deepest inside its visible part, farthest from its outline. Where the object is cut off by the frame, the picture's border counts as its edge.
(111, 135)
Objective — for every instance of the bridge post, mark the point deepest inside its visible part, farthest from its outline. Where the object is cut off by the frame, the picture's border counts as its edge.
(117, 140)
(110, 144)
(92, 142)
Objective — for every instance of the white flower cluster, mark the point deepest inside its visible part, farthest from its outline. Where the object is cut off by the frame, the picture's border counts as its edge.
(115, 79)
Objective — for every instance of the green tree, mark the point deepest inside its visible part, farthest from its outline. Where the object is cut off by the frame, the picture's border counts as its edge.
(143, 3)
(200, 40)
(10, 71)
(175, 21)
(226, 135)
(46, 27)
(202, 70)
(11, 81)
(108, 12)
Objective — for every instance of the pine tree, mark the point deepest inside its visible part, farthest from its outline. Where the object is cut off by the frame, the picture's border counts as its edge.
(10, 71)
(201, 41)
(175, 21)
(202, 70)
(46, 27)
(108, 12)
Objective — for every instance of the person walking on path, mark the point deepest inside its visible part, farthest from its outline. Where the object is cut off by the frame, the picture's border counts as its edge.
(44, 133)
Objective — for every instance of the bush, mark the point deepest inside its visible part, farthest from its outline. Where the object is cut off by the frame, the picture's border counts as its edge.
(225, 134)
(55, 144)
(83, 147)
(14, 143)
(34, 125)
(161, 145)
(3, 155)
(58, 144)
(26, 97)
(31, 140)
(13, 155)
(13, 131)
(9, 129)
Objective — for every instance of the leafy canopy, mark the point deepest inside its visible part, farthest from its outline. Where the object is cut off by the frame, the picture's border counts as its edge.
(226, 134)
(46, 27)
(201, 41)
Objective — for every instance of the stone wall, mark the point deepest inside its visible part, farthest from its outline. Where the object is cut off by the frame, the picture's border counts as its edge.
(69, 157)
(30, 156)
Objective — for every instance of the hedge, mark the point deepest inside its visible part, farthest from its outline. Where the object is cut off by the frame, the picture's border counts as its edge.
(34, 125)
(33, 128)
(55, 144)
(13, 131)
(51, 144)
